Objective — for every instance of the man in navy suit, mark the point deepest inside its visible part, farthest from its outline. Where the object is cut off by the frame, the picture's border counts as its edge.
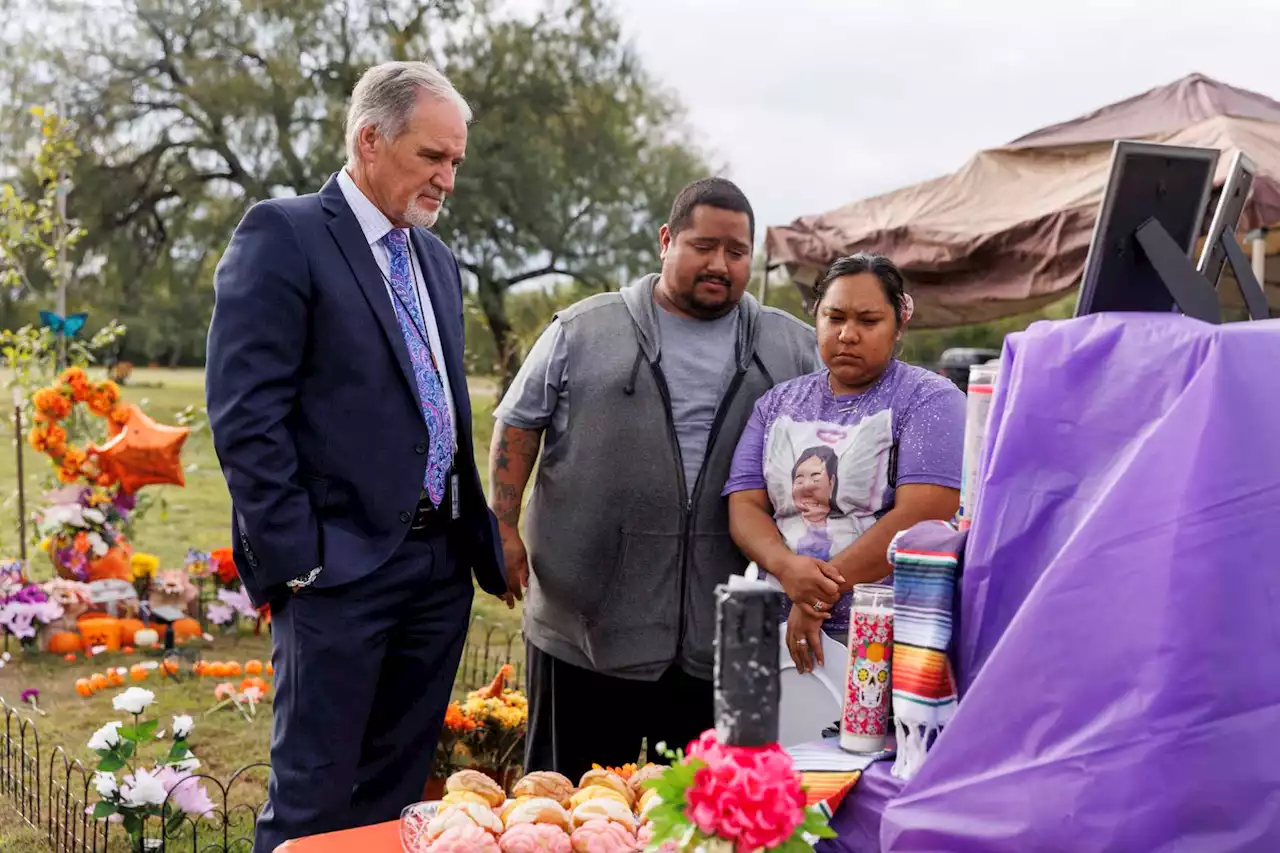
(341, 418)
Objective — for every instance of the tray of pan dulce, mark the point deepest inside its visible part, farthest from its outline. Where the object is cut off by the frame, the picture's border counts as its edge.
(605, 812)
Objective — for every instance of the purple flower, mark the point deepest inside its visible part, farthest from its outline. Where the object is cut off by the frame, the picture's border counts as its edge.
(30, 695)
(31, 594)
(125, 501)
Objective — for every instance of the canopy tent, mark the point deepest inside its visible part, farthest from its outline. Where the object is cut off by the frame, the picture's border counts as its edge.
(1009, 232)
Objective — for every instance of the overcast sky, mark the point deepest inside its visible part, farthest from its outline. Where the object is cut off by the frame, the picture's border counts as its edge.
(812, 104)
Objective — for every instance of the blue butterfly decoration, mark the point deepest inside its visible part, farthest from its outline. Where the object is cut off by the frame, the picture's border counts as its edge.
(69, 326)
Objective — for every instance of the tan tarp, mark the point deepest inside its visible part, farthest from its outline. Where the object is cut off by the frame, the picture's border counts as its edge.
(1009, 231)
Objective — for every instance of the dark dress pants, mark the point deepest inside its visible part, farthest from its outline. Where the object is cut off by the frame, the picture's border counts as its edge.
(363, 675)
(578, 717)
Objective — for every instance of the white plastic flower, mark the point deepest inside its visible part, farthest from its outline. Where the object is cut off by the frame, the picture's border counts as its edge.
(95, 516)
(144, 790)
(182, 725)
(190, 764)
(106, 784)
(106, 737)
(133, 701)
(96, 542)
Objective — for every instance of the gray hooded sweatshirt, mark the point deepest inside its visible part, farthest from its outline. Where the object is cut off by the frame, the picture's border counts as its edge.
(626, 554)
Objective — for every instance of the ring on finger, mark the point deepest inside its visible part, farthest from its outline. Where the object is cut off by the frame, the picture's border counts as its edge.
(819, 606)
(802, 642)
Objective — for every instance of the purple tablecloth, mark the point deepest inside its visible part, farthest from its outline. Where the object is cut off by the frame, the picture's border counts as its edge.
(1118, 645)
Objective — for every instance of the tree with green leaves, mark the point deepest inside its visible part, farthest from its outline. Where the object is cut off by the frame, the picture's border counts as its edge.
(36, 235)
(193, 109)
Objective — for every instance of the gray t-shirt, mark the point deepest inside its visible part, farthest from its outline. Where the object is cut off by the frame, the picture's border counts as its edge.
(697, 359)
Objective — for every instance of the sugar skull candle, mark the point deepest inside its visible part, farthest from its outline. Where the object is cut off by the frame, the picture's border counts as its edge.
(865, 723)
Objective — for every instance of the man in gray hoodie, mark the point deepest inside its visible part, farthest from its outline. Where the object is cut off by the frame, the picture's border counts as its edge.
(636, 400)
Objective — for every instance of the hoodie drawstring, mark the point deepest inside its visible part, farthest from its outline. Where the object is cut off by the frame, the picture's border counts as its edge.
(630, 387)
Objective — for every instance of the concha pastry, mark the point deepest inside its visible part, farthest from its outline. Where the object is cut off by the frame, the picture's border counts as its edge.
(646, 801)
(644, 774)
(477, 783)
(604, 809)
(535, 838)
(464, 839)
(454, 797)
(602, 836)
(647, 804)
(538, 810)
(544, 783)
(596, 792)
(607, 779)
(464, 814)
(511, 804)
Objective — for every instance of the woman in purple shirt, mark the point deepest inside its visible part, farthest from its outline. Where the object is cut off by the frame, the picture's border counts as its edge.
(833, 464)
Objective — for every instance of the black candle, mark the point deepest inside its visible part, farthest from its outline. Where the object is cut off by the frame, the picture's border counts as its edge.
(748, 618)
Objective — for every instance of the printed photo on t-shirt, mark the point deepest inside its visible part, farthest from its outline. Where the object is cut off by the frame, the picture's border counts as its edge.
(827, 481)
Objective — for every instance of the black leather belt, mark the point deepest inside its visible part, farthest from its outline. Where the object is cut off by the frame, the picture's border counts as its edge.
(429, 520)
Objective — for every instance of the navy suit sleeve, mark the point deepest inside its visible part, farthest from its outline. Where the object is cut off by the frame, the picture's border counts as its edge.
(257, 343)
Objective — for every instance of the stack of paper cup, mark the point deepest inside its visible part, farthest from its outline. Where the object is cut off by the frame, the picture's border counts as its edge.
(865, 722)
(982, 383)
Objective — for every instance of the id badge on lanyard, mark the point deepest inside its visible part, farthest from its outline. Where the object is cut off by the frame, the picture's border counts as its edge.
(455, 509)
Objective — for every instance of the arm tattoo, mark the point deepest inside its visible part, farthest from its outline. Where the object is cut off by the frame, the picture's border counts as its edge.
(506, 504)
(511, 460)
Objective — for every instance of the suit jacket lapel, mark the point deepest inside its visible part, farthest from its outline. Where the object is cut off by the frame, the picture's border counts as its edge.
(350, 237)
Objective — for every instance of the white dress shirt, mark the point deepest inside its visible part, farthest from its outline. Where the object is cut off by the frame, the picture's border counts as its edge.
(375, 225)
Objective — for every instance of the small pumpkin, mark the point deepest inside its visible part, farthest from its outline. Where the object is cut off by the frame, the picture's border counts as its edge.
(138, 672)
(64, 642)
(233, 669)
(83, 687)
(129, 629)
(170, 666)
(253, 667)
(114, 677)
(98, 681)
(187, 629)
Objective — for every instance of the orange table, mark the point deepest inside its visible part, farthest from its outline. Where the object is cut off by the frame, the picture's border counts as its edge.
(378, 838)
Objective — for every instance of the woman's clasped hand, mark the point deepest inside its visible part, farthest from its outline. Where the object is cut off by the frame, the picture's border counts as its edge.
(812, 584)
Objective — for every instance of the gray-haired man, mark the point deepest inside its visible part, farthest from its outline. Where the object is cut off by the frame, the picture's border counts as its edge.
(340, 415)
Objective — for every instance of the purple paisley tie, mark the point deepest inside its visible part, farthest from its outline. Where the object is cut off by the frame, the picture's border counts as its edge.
(435, 409)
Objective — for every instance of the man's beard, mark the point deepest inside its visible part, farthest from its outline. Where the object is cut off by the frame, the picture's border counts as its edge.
(420, 216)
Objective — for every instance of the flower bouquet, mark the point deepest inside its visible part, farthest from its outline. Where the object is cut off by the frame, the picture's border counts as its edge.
(83, 527)
(167, 790)
(483, 732)
(733, 799)
(24, 606)
(501, 717)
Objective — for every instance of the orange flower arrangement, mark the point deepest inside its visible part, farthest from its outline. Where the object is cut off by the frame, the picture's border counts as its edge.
(626, 771)
(223, 564)
(54, 403)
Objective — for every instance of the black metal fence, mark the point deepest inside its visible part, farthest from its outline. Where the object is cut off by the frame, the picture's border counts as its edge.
(54, 793)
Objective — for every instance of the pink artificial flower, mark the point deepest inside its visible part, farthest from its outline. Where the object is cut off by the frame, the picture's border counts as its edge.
(185, 792)
(746, 795)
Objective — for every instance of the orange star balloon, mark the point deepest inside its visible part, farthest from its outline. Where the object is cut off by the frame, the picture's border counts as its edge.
(143, 453)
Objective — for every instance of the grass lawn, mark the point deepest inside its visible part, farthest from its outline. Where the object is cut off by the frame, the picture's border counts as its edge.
(197, 515)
